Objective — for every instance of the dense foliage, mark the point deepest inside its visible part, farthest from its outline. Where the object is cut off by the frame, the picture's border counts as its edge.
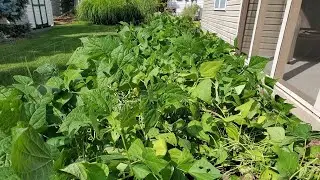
(161, 101)
(191, 11)
(114, 11)
(12, 9)
(15, 30)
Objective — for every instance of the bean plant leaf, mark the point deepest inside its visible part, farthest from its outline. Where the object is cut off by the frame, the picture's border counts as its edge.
(8, 173)
(23, 79)
(178, 175)
(155, 163)
(88, 171)
(11, 109)
(141, 171)
(136, 149)
(160, 146)
(38, 118)
(245, 108)
(30, 156)
(204, 170)
(232, 131)
(74, 121)
(300, 130)
(287, 162)
(277, 134)
(169, 138)
(195, 129)
(210, 69)
(203, 91)
(183, 159)
(222, 156)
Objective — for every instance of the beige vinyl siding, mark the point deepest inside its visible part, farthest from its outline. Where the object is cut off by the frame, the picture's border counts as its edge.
(250, 20)
(222, 22)
(271, 29)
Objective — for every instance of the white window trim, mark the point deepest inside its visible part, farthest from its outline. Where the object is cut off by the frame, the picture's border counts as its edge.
(219, 9)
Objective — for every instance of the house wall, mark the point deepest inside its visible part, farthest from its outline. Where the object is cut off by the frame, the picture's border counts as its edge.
(271, 28)
(250, 19)
(224, 23)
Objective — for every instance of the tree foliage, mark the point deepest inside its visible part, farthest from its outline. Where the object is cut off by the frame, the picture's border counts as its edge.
(12, 9)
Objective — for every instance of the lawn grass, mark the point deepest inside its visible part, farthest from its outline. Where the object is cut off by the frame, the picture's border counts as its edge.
(54, 46)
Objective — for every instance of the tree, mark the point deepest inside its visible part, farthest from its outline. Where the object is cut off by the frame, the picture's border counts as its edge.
(12, 10)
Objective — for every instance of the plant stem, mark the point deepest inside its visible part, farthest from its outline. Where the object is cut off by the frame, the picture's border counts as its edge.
(125, 147)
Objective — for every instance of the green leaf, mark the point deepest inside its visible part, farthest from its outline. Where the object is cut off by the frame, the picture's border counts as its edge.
(232, 131)
(136, 149)
(8, 173)
(300, 130)
(269, 175)
(287, 162)
(55, 82)
(58, 141)
(210, 69)
(140, 171)
(38, 119)
(151, 117)
(160, 146)
(178, 175)
(203, 91)
(314, 151)
(30, 156)
(204, 170)
(277, 134)
(239, 89)
(152, 161)
(23, 80)
(74, 121)
(169, 138)
(195, 129)
(11, 109)
(71, 75)
(153, 132)
(257, 64)
(222, 156)
(245, 108)
(88, 171)
(183, 159)
(79, 58)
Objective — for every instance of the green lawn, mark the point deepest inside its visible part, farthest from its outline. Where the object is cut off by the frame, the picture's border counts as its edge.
(53, 46)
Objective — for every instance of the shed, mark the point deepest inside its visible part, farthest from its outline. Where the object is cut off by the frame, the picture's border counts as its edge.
(38, 14)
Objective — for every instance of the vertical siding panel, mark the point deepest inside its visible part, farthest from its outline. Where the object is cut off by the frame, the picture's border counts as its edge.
(252, 11)
(272, 25)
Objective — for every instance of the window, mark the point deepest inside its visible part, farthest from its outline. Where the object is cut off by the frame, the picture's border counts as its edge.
(220, 4)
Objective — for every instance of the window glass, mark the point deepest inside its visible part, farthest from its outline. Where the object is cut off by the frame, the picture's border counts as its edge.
(216, 4)
(223, 4)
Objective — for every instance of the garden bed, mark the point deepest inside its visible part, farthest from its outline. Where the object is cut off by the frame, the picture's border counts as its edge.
(161, 101)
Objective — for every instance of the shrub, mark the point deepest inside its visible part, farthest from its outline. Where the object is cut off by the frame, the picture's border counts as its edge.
(15, 30)
(190, 11)
(12, 9)
(162, 101)
(114, 11)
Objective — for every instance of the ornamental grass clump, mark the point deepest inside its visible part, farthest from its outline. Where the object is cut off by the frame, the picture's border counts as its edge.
(113, 11)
